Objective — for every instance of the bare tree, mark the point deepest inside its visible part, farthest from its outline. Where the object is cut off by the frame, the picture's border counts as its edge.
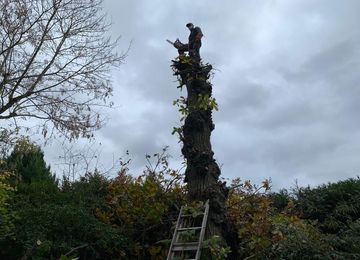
(77, 161)
(55, 57)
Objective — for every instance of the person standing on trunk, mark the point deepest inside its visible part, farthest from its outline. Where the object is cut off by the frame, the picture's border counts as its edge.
(194, 41)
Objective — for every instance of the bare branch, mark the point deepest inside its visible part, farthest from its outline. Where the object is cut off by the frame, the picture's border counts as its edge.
(54, 63)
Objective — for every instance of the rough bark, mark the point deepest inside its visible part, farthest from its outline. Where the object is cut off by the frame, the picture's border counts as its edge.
(202, 172)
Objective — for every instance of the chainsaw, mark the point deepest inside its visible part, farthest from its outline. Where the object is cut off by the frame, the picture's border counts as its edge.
(177, 44)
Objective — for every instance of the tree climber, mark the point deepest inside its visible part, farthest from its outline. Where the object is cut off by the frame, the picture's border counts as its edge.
(194, 41)
(193, 47)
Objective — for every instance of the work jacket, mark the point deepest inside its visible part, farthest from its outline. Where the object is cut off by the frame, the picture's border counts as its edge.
(195, 34)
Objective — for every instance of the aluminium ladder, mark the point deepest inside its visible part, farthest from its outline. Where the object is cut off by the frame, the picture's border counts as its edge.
(196, 226)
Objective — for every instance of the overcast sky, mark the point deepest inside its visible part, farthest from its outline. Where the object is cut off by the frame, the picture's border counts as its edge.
(286, 81)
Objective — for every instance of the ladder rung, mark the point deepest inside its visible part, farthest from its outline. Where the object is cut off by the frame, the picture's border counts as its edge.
(191, 215)
(189, 228)
(190, 246)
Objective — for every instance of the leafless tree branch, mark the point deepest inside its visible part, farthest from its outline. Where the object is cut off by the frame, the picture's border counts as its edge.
(54, 63)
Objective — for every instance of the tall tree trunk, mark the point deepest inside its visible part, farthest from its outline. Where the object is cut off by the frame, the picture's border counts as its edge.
(202, 172)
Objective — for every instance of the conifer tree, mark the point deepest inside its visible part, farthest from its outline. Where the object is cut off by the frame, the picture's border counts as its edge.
(27, 160)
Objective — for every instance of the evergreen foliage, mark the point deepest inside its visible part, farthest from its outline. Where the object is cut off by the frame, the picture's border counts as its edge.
(6, 214)
(27, 160)
(335, 205)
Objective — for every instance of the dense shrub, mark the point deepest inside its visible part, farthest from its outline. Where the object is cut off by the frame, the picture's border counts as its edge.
(51, 222)
(318, 223)
(129, 217)
(146, 207)
(335, 206)
(7, 216)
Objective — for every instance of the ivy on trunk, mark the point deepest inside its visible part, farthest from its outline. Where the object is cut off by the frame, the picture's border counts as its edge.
(202, 172)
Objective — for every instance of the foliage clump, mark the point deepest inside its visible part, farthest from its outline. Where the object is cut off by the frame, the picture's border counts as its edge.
(295, 226)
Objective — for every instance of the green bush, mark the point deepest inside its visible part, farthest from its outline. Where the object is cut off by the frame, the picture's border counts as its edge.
(335, 206)
(299, 241)
(7, 216)
(52, 222)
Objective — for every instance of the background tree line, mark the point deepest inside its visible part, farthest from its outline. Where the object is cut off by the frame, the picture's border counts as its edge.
(128, 217)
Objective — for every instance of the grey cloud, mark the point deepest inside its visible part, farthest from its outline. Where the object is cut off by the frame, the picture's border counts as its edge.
(286, 82)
